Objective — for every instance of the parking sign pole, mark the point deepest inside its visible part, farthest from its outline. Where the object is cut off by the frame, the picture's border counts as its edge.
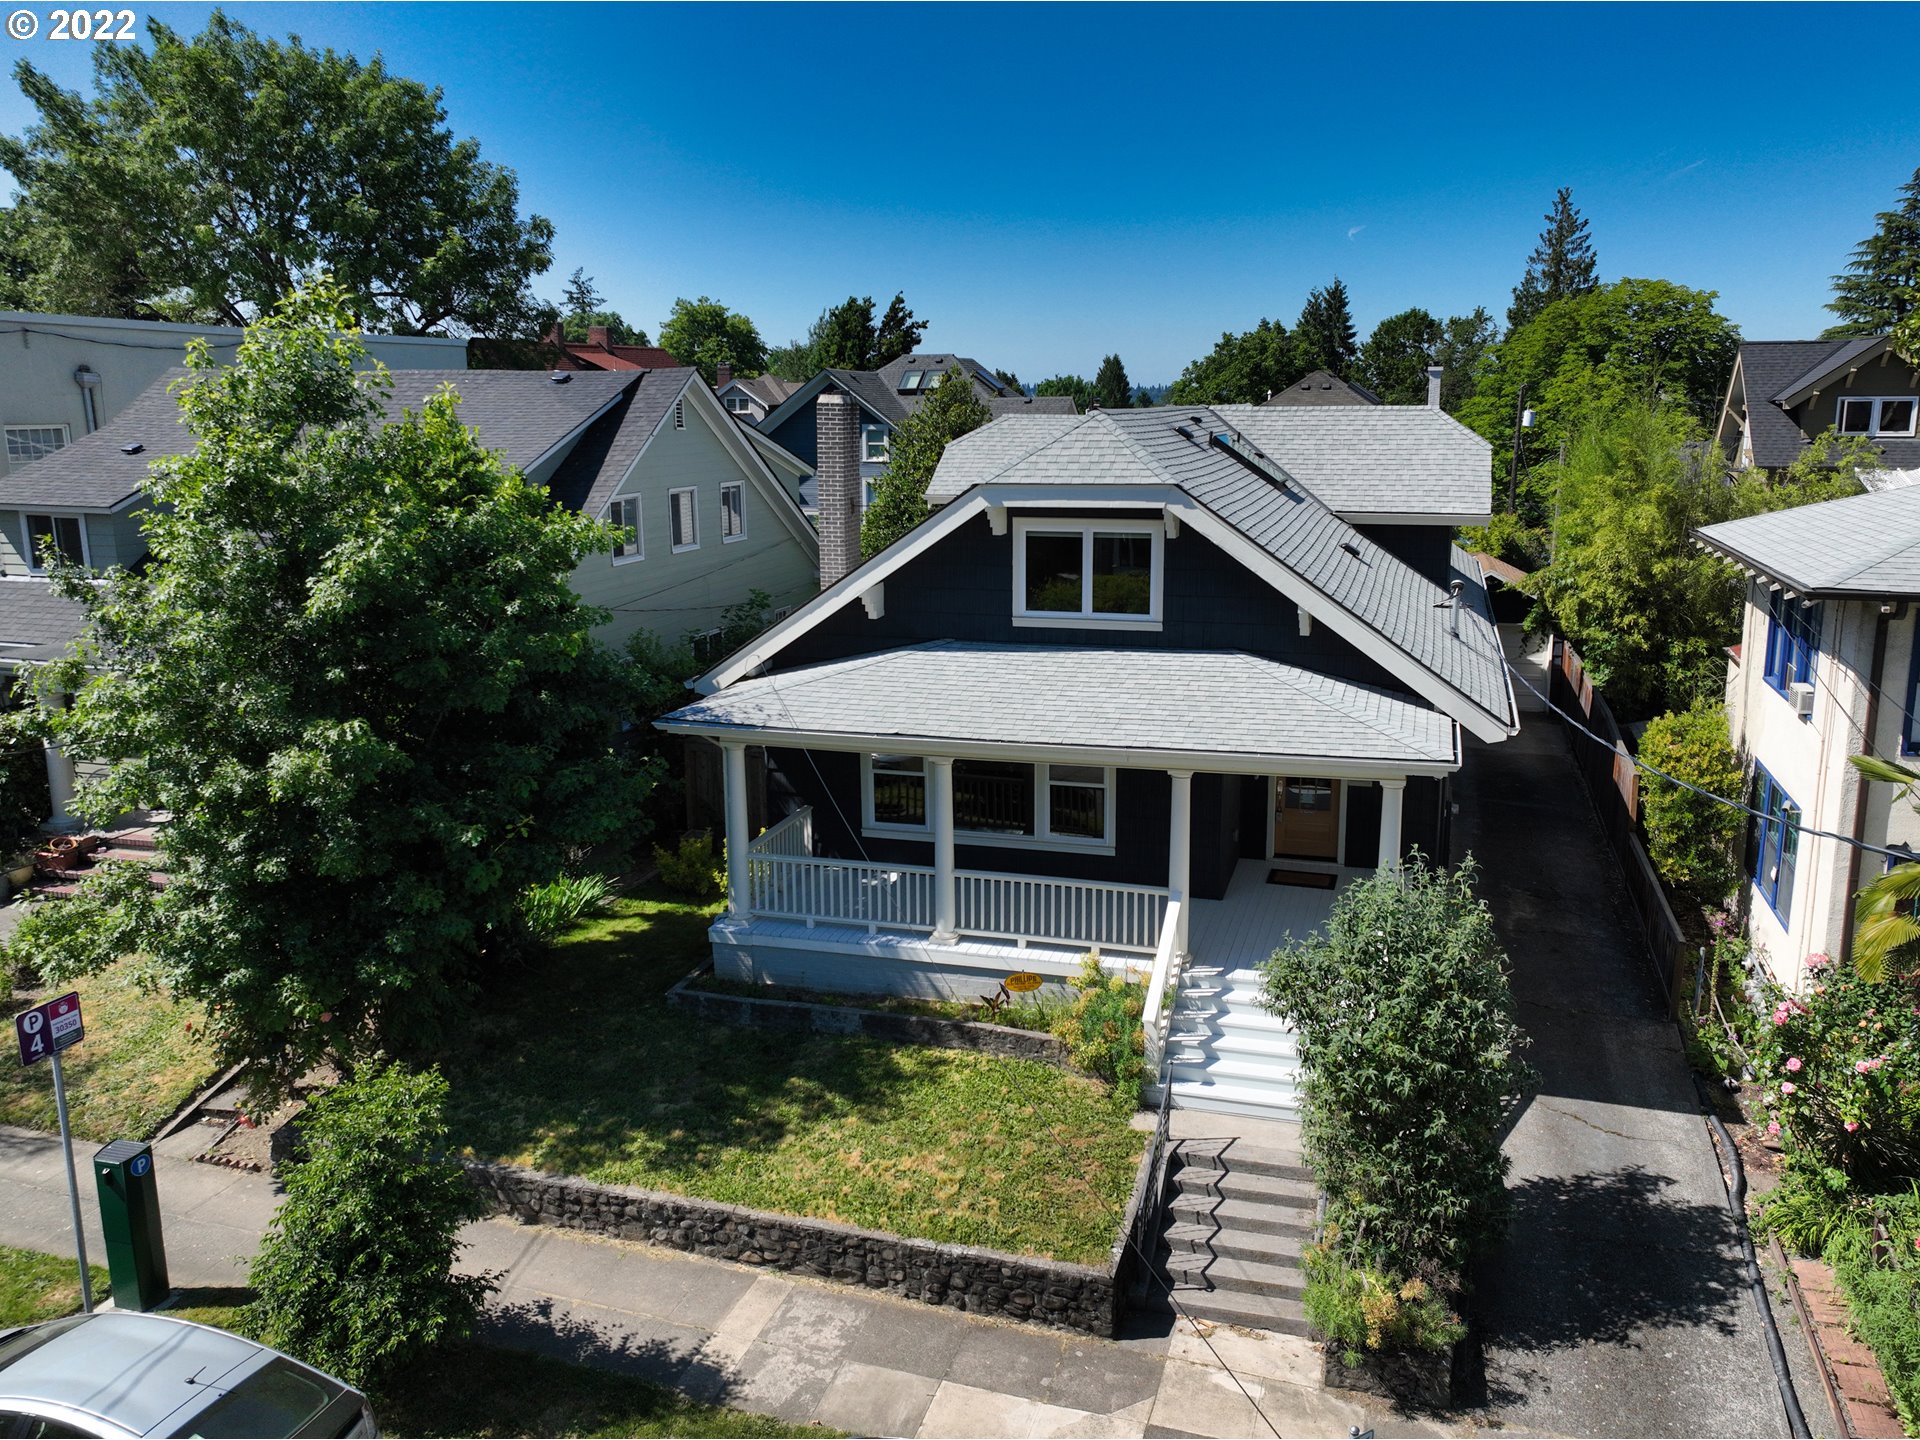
(73, 1186)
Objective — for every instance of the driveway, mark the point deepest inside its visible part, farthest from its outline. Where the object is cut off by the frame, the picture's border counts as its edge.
(1618, 1304)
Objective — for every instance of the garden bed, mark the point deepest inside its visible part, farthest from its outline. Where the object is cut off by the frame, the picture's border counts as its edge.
(578, 1066)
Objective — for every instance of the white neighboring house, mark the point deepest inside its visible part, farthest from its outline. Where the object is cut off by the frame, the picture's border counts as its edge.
(64, 376)
(1826, 668)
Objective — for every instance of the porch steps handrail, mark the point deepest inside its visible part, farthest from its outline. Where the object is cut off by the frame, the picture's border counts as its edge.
(1163, 989)
(791, 836)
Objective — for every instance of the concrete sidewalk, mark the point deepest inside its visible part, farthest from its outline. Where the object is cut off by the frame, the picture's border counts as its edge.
(798, 1349)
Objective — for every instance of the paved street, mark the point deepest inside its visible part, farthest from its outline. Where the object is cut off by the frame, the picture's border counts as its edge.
(805, 1351)
(1618, 1304)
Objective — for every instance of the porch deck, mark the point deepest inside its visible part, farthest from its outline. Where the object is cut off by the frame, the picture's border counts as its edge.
(1242, 929)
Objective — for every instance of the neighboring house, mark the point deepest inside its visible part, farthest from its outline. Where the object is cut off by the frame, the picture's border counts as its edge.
(753, 398)
(648, 449)
(596, 352)
(64, 376)
(1785, 392)
(886, 397)
(1827, 667)
(1135, 666)
(1322, 387)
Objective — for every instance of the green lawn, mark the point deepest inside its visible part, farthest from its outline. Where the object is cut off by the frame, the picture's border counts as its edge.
(577, 1066)
(137, 1064)
(36, 1287)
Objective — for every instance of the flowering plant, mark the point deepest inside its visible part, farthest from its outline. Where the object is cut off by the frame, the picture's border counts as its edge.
(1838, 1069)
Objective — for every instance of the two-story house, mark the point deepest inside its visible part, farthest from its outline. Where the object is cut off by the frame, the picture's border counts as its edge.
(750, 399)
(1151, 682)
(884, 398)
(1828, 667)
(1783, 393)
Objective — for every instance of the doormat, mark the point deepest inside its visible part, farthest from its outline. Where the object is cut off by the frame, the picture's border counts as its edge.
(1305, 879)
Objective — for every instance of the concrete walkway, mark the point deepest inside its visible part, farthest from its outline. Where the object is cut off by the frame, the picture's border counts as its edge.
(804, 1351)
(1618, 1304)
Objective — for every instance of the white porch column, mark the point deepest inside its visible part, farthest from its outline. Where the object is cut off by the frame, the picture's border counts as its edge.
(734, 768)
(1392, 793)
(1180, 853)
(946, 909)
(60, 784)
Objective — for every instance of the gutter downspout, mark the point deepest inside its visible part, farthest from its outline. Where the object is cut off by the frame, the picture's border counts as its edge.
(1888, 612)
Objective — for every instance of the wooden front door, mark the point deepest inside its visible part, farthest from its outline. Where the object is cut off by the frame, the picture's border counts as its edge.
(1306, 818)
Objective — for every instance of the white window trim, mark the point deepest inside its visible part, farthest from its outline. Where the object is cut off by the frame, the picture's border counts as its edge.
(66, 437)
(885, 433)
(1084, 619)
(1873, 430)
(741, 533)
(738, 404)
(673, 511)
(1042, 838)
(34, 567)
(639, 529)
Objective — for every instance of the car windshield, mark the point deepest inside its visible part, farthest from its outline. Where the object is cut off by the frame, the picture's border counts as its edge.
(276, 1399)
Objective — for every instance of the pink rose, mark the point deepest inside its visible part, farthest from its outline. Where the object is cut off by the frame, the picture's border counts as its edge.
(1815, 962)
(1787, 1087)
(1793, 1064)
(1852, 1125)
(1773, 1127)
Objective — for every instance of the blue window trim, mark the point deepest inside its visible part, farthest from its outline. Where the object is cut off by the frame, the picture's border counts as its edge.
(1774, 847)
(1910, 727)
(1793, 641)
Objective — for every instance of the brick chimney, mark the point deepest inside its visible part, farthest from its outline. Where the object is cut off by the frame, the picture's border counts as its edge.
(1434, 372)
(836, 482)
(722, 375)
(597, 335)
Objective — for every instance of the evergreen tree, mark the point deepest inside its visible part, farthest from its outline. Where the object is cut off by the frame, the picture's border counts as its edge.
(1323, 337)
(580, 294)
(581, 303)
(1143, 399)
(900, 493)
(1111, 388)
(896, 334)
(1010, 380)
(1882, 284)
(1562, 264)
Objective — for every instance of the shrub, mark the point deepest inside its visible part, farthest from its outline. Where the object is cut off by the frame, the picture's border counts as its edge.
(690, 867)
(1839, 1073)
(550, 909)
(356, 1272)
(1102, 1027)
(1364, 1309)
(1877, 1262)
(1690, 838)
(1410, 1058)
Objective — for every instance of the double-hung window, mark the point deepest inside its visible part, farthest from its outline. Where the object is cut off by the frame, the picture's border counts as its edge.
(1891, 415)
(685, 517)
(733, 511)
(626, 515)
(1793, 641)
(1102, 573)
(31, 442)
(897, 792)
(997, 802)
(64, 535)
(876, 444)
(1773, 842)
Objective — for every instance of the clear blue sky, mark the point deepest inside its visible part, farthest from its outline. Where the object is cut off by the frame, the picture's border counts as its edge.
(1050, 183)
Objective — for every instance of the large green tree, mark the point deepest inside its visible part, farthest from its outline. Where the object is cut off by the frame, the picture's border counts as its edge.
(1562, 263)
(206, 177)
(706, 334)
(849, 337)
(583, 307)
(1323, 336)
(900, 493)
(1881, 285)
(1464, 342)
(1077, 386)
(358, 675)
(1241, 369)
(1111, 388)
(1393, 362)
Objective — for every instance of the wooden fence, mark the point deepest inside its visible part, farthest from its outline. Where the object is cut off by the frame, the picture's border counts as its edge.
(1614, 783)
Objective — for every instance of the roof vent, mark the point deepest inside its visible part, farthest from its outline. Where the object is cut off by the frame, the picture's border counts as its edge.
(134, 449)
(1351, 548)
(561, 377)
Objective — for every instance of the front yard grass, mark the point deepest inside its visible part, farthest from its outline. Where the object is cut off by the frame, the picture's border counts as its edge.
(135, 1066)
(577, 1066)
(36, 1287)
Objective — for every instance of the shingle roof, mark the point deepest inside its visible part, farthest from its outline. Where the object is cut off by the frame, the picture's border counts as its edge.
(521, 413)
(593, 470)
(1321, 387)
(1165, 701)
(769, 390)
(1767, 368)
(1032, 405)
(1363, 461)
(35, 623)
(1864, 545)
(1841, 352)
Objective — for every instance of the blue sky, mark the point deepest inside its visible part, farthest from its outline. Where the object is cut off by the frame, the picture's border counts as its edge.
(1051, 183)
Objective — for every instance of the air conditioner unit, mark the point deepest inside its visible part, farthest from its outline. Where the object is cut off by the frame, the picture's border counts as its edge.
(1800, 693)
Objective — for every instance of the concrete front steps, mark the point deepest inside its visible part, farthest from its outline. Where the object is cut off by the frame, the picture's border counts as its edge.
(1236, 1217)
(1226, 1053)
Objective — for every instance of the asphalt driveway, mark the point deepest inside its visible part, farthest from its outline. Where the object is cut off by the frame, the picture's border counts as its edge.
(1618, 1303)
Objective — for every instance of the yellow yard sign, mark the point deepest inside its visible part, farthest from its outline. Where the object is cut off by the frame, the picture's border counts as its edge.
(1024, 982)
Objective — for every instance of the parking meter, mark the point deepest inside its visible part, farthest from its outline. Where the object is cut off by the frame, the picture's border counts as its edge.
(130, 1218)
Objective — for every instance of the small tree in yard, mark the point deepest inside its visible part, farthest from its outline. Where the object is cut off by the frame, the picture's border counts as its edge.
(359, 677)
(356, 1272)
(1411, 1060)
(900, 495)
(1690, 838)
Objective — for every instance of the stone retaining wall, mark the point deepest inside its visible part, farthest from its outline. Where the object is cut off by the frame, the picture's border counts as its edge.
(983, 1282)
(798, 1015)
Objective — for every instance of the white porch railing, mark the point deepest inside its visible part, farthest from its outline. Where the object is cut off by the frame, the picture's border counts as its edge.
(1163, 992)
(803, 887)
(791, 836)
(1059, 912)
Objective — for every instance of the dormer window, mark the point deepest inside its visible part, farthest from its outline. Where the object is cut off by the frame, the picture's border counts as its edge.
(1104, 573)
(910, 382)
(65, 535)
(738, 405)
(1890, 415)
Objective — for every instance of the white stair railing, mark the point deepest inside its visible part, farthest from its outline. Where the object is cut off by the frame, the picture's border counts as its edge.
(791, 836)
(1163, 992)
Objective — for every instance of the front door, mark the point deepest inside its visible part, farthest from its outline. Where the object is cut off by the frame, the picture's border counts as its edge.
(1306, 818)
